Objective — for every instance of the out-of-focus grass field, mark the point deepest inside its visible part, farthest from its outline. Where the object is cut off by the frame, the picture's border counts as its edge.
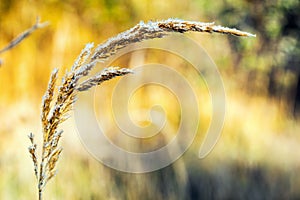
(256, 157)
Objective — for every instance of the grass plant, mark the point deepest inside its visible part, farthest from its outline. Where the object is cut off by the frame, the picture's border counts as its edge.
(57, 102)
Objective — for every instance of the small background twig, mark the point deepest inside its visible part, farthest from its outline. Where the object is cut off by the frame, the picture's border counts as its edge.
(23, 35)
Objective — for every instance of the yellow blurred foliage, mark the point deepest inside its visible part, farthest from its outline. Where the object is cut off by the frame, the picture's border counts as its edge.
(257, 129)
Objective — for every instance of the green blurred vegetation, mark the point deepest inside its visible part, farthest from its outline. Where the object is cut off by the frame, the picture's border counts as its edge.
(257, 156)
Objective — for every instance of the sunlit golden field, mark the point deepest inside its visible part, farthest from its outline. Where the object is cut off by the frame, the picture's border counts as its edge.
(256, 157)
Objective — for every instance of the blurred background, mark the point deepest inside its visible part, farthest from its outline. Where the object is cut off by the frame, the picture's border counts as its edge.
(257, 155)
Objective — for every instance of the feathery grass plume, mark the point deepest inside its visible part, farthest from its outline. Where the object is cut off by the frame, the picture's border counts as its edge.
(145, 31)
(104, 75)
(57, 103)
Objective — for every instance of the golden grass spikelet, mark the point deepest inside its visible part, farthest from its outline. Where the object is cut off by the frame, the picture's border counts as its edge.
(53, 158)
(46, 102)
(104, 75)
(32, 151)
(83, 56)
